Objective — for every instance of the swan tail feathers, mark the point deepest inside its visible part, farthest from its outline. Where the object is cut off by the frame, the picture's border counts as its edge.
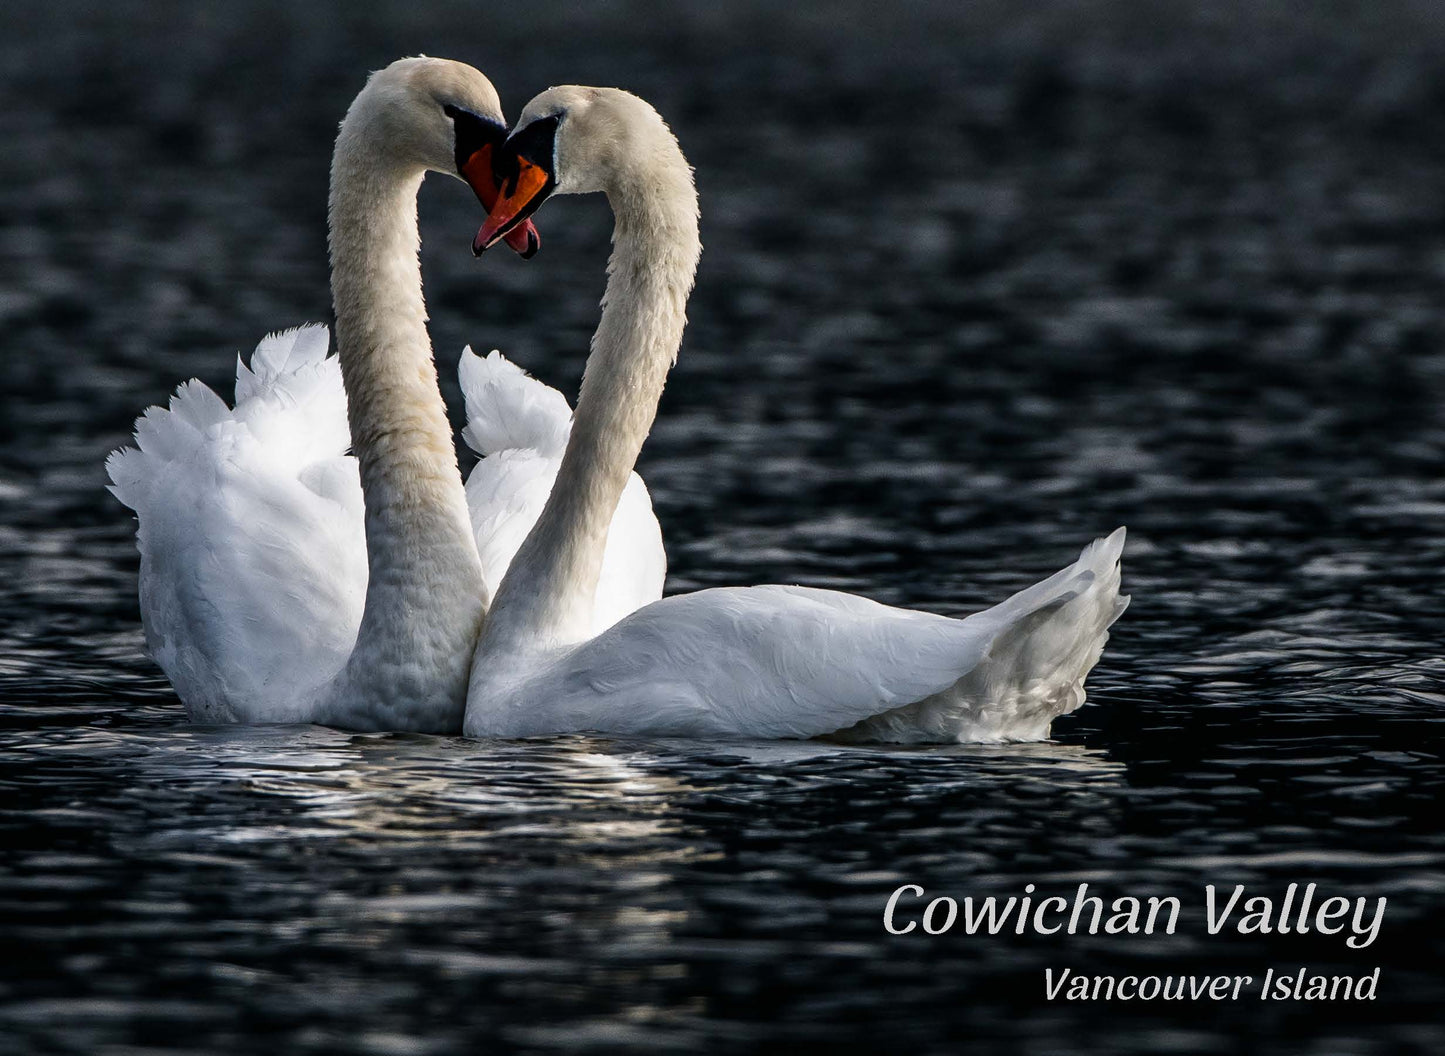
(1041, 645)
(508, 410)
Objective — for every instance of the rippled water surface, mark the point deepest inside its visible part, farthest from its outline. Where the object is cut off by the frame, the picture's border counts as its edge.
(977, 288)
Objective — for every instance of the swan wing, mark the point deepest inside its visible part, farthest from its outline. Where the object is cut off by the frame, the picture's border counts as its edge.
(506, 492)
(780, 661)
(507, 410)
(251, 533)
(521, 426)
(634, 565)
(505, 495)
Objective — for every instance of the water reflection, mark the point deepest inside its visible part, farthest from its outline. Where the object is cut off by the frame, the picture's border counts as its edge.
(677, 882)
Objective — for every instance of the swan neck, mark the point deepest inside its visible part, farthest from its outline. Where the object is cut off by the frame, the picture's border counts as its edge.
(425, 595)
(548, 594)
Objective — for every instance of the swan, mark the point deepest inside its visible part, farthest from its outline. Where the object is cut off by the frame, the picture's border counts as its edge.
(750, 662)
(520, 427)
(282, 579)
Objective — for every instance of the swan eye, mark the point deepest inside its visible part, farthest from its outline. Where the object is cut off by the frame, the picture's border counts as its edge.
(473, 133)
(536, 144)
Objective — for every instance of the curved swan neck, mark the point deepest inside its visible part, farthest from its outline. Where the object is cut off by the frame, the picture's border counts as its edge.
(547, 594)
(425, 596)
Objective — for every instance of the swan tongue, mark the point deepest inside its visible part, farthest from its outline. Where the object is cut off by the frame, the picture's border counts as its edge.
(523, 238)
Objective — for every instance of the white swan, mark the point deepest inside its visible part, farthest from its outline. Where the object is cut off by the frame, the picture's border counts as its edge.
(521, 426)
(749, 662)
(283, 580)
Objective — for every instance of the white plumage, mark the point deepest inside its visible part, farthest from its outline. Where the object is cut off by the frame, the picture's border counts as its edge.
(253, 554)
(521, 427)
(284, 580)
(281, 578)
(771, 661)
(779, 661)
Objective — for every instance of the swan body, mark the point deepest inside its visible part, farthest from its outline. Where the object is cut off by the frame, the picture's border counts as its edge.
(282, 579)
(520, 426)
(251, 522)
(796, 662)
(771, 661)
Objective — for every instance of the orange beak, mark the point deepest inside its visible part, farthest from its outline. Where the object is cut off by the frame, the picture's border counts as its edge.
(516, 201)
(478, 173)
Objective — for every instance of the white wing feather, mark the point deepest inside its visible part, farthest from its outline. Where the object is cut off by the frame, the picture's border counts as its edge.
(522, 426)
(251, 523)
(507, 410)
(253, 556)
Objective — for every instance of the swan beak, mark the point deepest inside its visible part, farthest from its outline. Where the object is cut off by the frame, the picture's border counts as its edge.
(477, 171)
(518, 199)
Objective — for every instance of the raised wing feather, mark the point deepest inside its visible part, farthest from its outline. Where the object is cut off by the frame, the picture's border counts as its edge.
(253, 557)
(522, 427)
(507, 410)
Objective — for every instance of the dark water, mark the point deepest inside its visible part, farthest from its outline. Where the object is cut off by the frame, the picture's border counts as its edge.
(977, 288)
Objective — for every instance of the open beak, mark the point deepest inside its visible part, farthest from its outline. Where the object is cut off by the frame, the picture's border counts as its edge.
(477, 171)
(518, 199)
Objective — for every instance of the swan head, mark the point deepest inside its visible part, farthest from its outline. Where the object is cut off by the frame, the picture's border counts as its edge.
(578, 140)
(440, 116)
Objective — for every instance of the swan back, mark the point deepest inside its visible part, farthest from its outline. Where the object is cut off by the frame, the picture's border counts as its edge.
(777, 661)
